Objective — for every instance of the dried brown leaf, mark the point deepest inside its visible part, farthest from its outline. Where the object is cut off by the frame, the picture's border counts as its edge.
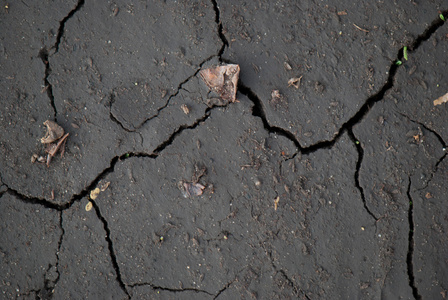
(54, 132)
(441, 99)
(223, 80)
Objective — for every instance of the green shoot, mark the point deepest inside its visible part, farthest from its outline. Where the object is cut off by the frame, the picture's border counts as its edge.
(405, 52)
(398, 62)
(442, 17)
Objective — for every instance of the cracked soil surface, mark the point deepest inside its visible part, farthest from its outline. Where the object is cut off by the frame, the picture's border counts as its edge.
(324, 180)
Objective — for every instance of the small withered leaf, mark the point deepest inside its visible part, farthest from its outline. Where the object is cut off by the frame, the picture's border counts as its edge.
(54, 132)
(190, 189)
(223, 80)
(441, 99)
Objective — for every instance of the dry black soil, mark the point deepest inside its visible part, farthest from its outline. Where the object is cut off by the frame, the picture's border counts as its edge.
(324, 180)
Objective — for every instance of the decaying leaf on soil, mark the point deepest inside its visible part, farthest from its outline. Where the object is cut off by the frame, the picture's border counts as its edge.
(55, 141)
(222, 80)
(190, 189)
(441, 99)
(295, 82)
(103, 185)
(54, 132)
(53, 148)
(193, 188)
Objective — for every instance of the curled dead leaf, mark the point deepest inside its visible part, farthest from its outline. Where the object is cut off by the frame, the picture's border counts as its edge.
(54, 132)
(441, 99)
(223, 80)
(190, 189)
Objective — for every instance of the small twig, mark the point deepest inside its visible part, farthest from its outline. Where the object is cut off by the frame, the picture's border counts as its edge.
(360, 28)
(52, 152)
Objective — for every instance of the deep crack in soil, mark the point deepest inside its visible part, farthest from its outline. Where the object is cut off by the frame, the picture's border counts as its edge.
(410, 255)
(223, 38)
(111, 247)
(62, 24)
(172, 290)
(258, 111)
(358, 146)
(43, 54)
(47, 291)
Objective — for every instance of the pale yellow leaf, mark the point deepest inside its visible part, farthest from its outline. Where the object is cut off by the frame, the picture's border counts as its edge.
(89, 206)
(94, 193)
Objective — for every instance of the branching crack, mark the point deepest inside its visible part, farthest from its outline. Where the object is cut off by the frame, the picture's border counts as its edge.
(44, 56)
(297, 290)
(170, 140)
(438, 136)
(358, 167)
(258, 109)
(441, 141)
(111, 248)
(179, 88)
(62, 25)
(410, 255)
(223, 289)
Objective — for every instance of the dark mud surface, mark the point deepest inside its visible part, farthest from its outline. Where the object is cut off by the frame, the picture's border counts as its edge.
(324, 180)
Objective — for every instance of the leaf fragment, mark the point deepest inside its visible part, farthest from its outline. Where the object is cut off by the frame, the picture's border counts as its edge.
(441, 99)
(223, 80)
(94, 193)
(89, 206)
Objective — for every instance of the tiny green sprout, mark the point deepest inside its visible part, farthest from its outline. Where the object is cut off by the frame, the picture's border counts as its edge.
(405, 53)
(161, 238)
(410, 203)
(126, 155)
(357, 142)
(398, 62)
(442, 17)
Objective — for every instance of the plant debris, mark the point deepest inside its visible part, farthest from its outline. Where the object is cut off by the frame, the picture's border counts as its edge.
(441, 99)
(54, 132)
(193, 187)
(295, 82)
(94, 193)
(223, 81)
(185, 109)
(103, 185)
(55, 141)
(276, 201)
(89, 206)
(190, 189)
(277, 99)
